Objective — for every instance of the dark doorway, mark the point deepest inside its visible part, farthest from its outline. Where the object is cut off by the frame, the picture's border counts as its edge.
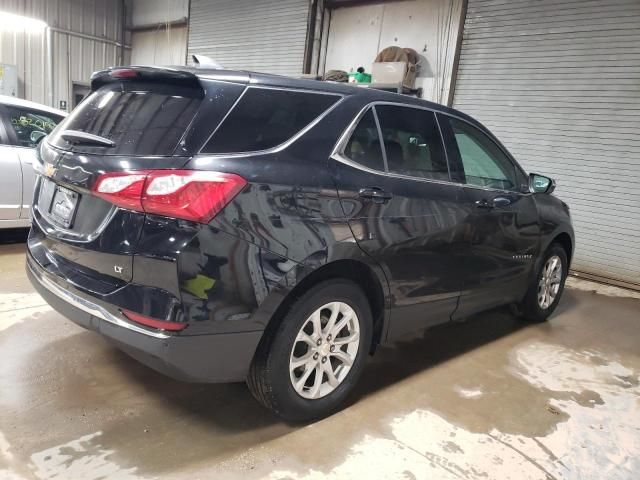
(79, 91)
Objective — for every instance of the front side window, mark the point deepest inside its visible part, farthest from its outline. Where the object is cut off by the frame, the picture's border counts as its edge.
(484, 163)
(30, 126)
(364, 145)
(265, 118)
(412, 142)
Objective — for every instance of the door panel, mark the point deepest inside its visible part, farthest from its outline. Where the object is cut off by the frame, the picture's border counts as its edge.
(21, 129)
(10, 174)
(505, 236)
(504, 224)
(27, 157)
(10, 183)
(418, 237)
(416, 229)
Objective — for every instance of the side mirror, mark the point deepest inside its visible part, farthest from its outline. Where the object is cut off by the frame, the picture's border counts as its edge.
(541, 184)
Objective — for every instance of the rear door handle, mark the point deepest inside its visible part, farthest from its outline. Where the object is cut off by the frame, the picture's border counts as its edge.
(375, 193)
(483, 204)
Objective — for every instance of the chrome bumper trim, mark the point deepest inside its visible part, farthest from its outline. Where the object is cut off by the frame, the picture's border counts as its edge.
(90, 307)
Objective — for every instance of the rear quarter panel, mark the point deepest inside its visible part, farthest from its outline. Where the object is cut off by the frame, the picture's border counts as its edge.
(284, 225)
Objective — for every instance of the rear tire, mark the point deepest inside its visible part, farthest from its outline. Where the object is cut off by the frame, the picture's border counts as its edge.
(306, 367)
(547, 286)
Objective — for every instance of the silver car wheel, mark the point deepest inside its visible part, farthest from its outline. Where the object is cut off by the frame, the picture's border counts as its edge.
(324, 350)
(550, 280)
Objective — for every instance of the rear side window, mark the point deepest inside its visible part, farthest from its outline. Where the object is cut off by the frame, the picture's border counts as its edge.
(141, 119)
(412, 142)
(29, 126)
(265, 118)
(364, 145)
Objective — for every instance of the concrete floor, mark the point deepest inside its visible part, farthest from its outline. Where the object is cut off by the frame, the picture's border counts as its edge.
(490, 398)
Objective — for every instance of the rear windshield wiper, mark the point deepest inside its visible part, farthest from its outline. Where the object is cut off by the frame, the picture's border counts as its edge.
(75, 136)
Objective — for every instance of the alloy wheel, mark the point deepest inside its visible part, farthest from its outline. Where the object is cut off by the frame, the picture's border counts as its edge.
(324, 350)
(550, 280)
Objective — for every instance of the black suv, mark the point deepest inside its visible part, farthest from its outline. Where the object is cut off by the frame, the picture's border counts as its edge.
(223, 226)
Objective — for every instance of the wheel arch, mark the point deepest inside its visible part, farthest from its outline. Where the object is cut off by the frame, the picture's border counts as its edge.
(564, 240)
(356, 271)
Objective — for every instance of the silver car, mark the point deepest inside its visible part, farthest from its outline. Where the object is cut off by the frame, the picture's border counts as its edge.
(22, 125)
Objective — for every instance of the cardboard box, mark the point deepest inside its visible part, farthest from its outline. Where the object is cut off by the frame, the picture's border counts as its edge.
(388, 72)
(394, 72)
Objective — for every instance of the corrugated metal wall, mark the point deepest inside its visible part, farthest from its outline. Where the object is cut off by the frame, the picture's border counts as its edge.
(154, 12)
(261, 35)
(74, 58)
(559, 82)
(159, 32)
(161, 46)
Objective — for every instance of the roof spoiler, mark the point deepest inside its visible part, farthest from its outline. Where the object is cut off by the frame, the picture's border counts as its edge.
(144, 74)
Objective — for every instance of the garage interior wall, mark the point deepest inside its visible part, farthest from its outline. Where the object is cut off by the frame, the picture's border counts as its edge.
(261, 35)
(559, 83)
(430, 27)
(159, 32)
(28, 49)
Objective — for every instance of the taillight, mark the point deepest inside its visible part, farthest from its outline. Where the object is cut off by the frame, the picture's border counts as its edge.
(188, 194)
(121, 189)
(153, 322)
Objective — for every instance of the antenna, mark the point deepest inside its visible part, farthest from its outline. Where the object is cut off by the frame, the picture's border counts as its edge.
(202, 61)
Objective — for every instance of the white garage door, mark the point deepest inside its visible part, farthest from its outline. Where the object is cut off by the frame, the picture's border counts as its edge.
(430, 27)
(559, 82)
(258, 35)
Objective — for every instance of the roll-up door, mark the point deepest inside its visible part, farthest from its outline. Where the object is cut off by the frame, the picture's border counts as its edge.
(261, 35)
(559, 83)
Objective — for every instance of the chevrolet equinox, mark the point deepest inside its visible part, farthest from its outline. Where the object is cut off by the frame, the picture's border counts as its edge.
(223, 226)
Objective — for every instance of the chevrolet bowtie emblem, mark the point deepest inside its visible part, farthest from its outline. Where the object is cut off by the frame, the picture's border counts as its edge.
(49, 170)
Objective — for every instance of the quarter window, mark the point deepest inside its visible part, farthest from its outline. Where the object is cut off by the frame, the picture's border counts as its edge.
(484, 163)
(412, 142)
(31, 125)
(364, 145)
(265, 118)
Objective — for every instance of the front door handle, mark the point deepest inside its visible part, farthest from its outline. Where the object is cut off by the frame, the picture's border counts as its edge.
(375, 193)
(497, 202)
(501, 202)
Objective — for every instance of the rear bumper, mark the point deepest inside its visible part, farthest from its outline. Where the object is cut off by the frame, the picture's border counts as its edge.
(214, 358)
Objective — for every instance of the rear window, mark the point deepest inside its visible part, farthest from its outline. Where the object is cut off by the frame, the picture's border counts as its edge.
(265, 118)
(141, 119)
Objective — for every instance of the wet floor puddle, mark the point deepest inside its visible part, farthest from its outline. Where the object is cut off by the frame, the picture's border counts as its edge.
(533, 410)
(596, 434)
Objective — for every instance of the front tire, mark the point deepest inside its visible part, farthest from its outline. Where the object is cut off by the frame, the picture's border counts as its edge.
(306, 367)
(547, 287)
